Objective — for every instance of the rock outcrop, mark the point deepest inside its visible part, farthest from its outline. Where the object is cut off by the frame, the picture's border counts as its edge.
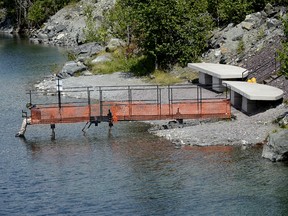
(66, 27)
(5, 23)
(236, 43)
(277, 147)
(252, 44)
(71, 68)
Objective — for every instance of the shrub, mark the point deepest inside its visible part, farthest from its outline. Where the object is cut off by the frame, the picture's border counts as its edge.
(241, 47)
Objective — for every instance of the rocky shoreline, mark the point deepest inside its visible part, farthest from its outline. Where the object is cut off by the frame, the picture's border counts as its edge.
(259, 33)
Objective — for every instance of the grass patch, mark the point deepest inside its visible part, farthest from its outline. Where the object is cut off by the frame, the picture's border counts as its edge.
(241, 47)
(141, 66)
(118, 63)
(111, 66)
(138, 65)
(163, 78)
(188, 76)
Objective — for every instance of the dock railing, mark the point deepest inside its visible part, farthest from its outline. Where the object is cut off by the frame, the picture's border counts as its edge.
(127, 103)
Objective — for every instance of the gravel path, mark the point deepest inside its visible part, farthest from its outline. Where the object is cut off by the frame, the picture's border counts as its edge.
(243, 130)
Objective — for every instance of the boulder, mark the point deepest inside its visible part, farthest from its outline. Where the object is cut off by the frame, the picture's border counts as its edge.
(277, 147)
(60, 36)
(113, 44)
(87, 73)
(270, 10)
(70, 68)
(273, 23)
(247, 25)
(283, 122)
(60, 28)
(102, 58)
(70, 21)
(42, 36)
(88, 49)
(238, 37)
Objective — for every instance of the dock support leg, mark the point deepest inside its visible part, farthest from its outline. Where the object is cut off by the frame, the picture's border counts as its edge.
(110, 118)
(53, 131)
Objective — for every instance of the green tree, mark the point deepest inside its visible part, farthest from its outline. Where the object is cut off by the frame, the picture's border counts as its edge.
(283, 52)
(234, 11)
(171, 31)
(37, 13)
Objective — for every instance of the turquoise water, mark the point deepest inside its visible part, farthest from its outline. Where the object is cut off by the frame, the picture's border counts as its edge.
(125, 171)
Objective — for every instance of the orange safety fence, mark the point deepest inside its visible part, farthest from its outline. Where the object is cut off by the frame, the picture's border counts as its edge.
(128, 111)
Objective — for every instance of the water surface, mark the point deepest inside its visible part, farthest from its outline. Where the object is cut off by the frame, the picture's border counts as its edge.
(123, 171)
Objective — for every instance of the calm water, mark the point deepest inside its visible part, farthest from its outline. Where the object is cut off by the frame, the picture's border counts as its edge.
(122, 172)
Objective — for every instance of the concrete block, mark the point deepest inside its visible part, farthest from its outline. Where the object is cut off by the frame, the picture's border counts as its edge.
(205, 79)
(217, 85)
(249, 106)
(236, 100)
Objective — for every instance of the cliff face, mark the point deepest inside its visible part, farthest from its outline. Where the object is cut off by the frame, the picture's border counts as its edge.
(5, 24)
(65, 28)
(252, 44)
(235, 44)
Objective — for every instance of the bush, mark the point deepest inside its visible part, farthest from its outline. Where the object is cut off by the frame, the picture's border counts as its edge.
(143, 65)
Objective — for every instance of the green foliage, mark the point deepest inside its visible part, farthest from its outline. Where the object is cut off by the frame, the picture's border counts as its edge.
(240, 47)
(169, 30)
(118, 63)
(143, 65)
(71, 56)
(164, 78)
(233, 11)
(90, 30)
(283, 57)
(283, 52)
(32, 12)
(261, 34)
(37, 13)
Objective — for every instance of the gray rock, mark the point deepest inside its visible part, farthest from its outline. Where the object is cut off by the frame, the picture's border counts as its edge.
(71, 22)
(277, 147)
(229, 26)
(87, 73)
(102, 58)
(113, 44)
(273, 23)
(284, 121)
(60, 28)
(238, 37)
(254, 18)
(60, 36)
(270, 10)
(50, 28)
(217, 53)
(88, 49)
(216, 42)
(70, 68)
(247, 25)
(42, 36)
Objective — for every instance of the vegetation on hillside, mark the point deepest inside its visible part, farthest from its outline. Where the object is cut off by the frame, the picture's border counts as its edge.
(159, 33)
(168, 31)
(175, 31)
(32, 13)
(283, 53)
